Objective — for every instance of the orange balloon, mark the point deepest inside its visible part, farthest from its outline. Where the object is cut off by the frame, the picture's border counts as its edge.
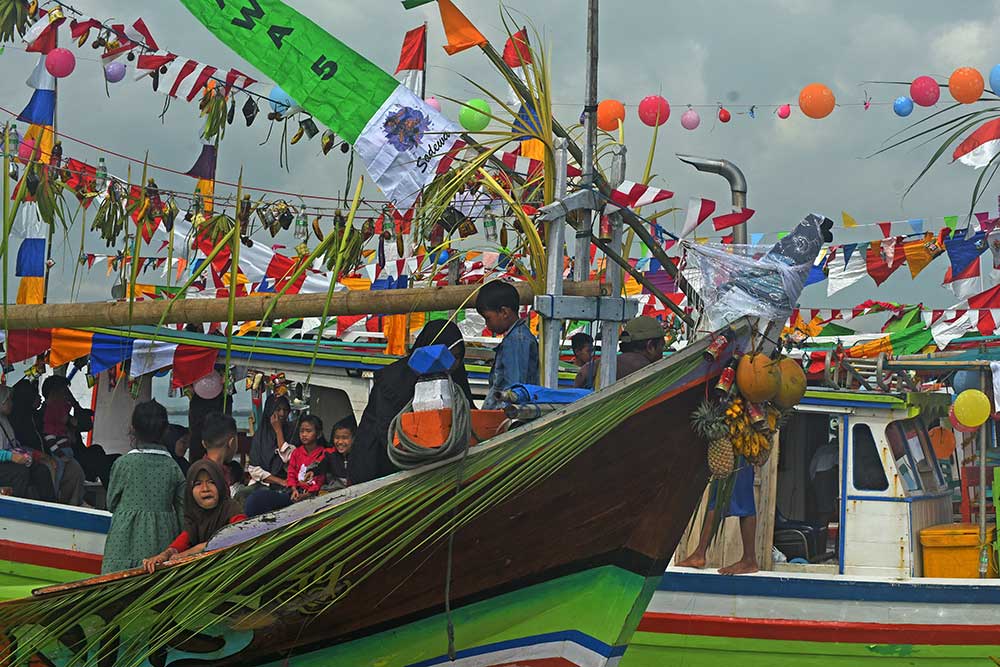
(816, 100)
(609, 113)
(943, 441)
(966, 85)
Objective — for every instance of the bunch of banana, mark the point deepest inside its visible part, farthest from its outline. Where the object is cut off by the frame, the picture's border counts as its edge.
(213, 107)
(48, 193)
(111, 217)
(352, 250)
(14, 18)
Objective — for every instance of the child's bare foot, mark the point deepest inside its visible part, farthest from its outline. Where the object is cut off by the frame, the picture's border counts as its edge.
(740, 567)
(694, 560)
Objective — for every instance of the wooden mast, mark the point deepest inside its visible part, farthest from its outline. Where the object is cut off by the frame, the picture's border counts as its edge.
(250, 308)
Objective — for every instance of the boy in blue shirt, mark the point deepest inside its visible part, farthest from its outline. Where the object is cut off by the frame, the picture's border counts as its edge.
(516, 357)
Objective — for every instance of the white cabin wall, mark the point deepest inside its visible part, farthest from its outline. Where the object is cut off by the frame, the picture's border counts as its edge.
(113, 412)
(877, 538)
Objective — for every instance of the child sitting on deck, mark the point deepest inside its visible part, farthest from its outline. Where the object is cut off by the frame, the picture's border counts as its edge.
(306, 459)
(516, 359)
(207, 508)
(335, 466)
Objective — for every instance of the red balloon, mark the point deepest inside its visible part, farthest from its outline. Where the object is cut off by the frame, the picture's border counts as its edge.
(724, 115)
(654, 110)
(60, 62)
(925, 91)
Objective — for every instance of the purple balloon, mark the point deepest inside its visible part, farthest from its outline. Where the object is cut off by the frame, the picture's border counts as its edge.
(114, 71)
(690, 119)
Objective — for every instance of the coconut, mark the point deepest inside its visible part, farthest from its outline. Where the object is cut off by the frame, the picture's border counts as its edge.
(792, 387)
(757, 378)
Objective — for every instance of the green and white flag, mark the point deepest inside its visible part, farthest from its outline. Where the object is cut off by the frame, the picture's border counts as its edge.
(398, 137)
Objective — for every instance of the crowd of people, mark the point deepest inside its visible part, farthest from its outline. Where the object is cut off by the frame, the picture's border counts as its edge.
(176, 486)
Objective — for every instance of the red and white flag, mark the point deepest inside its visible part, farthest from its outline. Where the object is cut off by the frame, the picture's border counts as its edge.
(698, 211)
(636, 195)
(413, 59)
(965, 284)
(981, 146)
(727, 220)
(517, 55)
(531, 167)
(185, 78)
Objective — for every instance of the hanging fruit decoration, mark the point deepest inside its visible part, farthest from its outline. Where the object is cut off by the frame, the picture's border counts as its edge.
(817, 101)
(757, 377)
(690, 119)
(60, 62)
(925, 91)
(654, 111)
(966, 85)
(724, 115)
(792, 385)
(609, 114)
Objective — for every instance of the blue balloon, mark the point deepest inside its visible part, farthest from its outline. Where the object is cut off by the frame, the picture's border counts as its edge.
(280, 100)
(903, 106)
(995, 79)
(965, 380)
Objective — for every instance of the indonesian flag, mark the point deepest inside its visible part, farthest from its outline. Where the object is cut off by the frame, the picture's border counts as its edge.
(637, 195)
(517, 55)
(981, 146)
(412, 59)
(698, 211)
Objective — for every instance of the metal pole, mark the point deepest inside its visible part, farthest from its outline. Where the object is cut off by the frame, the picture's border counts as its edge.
(608, 370)
(555, 239)
(737, 185)
(581, 249)
(984, 384)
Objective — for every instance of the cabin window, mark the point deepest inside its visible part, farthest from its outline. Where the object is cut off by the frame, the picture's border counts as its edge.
(914, 456)
(869, 473)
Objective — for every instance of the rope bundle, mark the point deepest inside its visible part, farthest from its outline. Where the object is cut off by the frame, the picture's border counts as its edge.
(409, 455)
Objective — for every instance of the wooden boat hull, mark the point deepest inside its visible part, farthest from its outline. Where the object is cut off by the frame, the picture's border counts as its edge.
(701, 618)
(559, 573)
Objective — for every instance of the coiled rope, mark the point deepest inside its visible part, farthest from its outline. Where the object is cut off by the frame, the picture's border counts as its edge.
(409, 455)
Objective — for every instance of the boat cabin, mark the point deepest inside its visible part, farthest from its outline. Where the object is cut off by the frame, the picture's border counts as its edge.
(857, 480)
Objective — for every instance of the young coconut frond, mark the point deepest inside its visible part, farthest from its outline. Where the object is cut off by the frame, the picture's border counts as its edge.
(316, 562)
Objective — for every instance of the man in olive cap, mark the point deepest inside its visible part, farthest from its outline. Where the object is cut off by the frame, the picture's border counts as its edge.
(641, 344)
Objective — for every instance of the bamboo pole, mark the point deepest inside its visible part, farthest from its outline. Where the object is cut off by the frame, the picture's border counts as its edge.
(348, 302)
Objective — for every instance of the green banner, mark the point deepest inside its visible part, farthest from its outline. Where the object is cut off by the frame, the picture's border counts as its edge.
(326, 77)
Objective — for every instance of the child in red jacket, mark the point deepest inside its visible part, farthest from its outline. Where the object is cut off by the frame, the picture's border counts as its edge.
(304, 478)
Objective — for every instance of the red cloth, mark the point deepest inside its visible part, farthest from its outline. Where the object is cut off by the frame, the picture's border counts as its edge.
(300, 457)
(24, 344)
(183, 541)
(192, 363)
(55, 416)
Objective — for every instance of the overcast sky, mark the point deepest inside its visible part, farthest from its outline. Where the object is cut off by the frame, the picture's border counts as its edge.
(701, 53)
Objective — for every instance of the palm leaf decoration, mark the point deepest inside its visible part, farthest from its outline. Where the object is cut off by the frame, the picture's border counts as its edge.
(945, 128)
(319, 560)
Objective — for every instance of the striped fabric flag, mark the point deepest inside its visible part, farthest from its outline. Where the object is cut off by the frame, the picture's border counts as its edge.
(517, 56)
(530, 167)
(412, 59)
(636, 195)
(698, 211)
(979, 148)
(727, 220)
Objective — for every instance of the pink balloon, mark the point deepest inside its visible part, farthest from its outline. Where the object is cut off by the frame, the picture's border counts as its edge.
(433, 103)
(654, 110)
(925, 91)
(690, 119)
(60, 62)
(784, 111)
(208, 386)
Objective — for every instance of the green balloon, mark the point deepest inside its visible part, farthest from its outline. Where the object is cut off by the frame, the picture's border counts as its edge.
(475, 116)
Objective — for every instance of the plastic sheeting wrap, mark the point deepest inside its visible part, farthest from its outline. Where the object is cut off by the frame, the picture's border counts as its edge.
(738, 280)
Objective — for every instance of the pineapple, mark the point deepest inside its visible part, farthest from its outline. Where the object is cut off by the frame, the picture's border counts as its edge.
(708, 421)
(721, 461)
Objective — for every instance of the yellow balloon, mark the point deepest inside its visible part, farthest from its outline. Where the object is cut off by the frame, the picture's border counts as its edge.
(972, 408)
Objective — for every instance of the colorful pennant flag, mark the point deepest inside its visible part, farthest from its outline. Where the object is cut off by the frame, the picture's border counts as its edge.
(698, 211)
(412, 59)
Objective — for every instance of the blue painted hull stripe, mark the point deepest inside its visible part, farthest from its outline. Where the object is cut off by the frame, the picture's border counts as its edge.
(574, 636)
(846, 590)
(875, 405)
(61, 517)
